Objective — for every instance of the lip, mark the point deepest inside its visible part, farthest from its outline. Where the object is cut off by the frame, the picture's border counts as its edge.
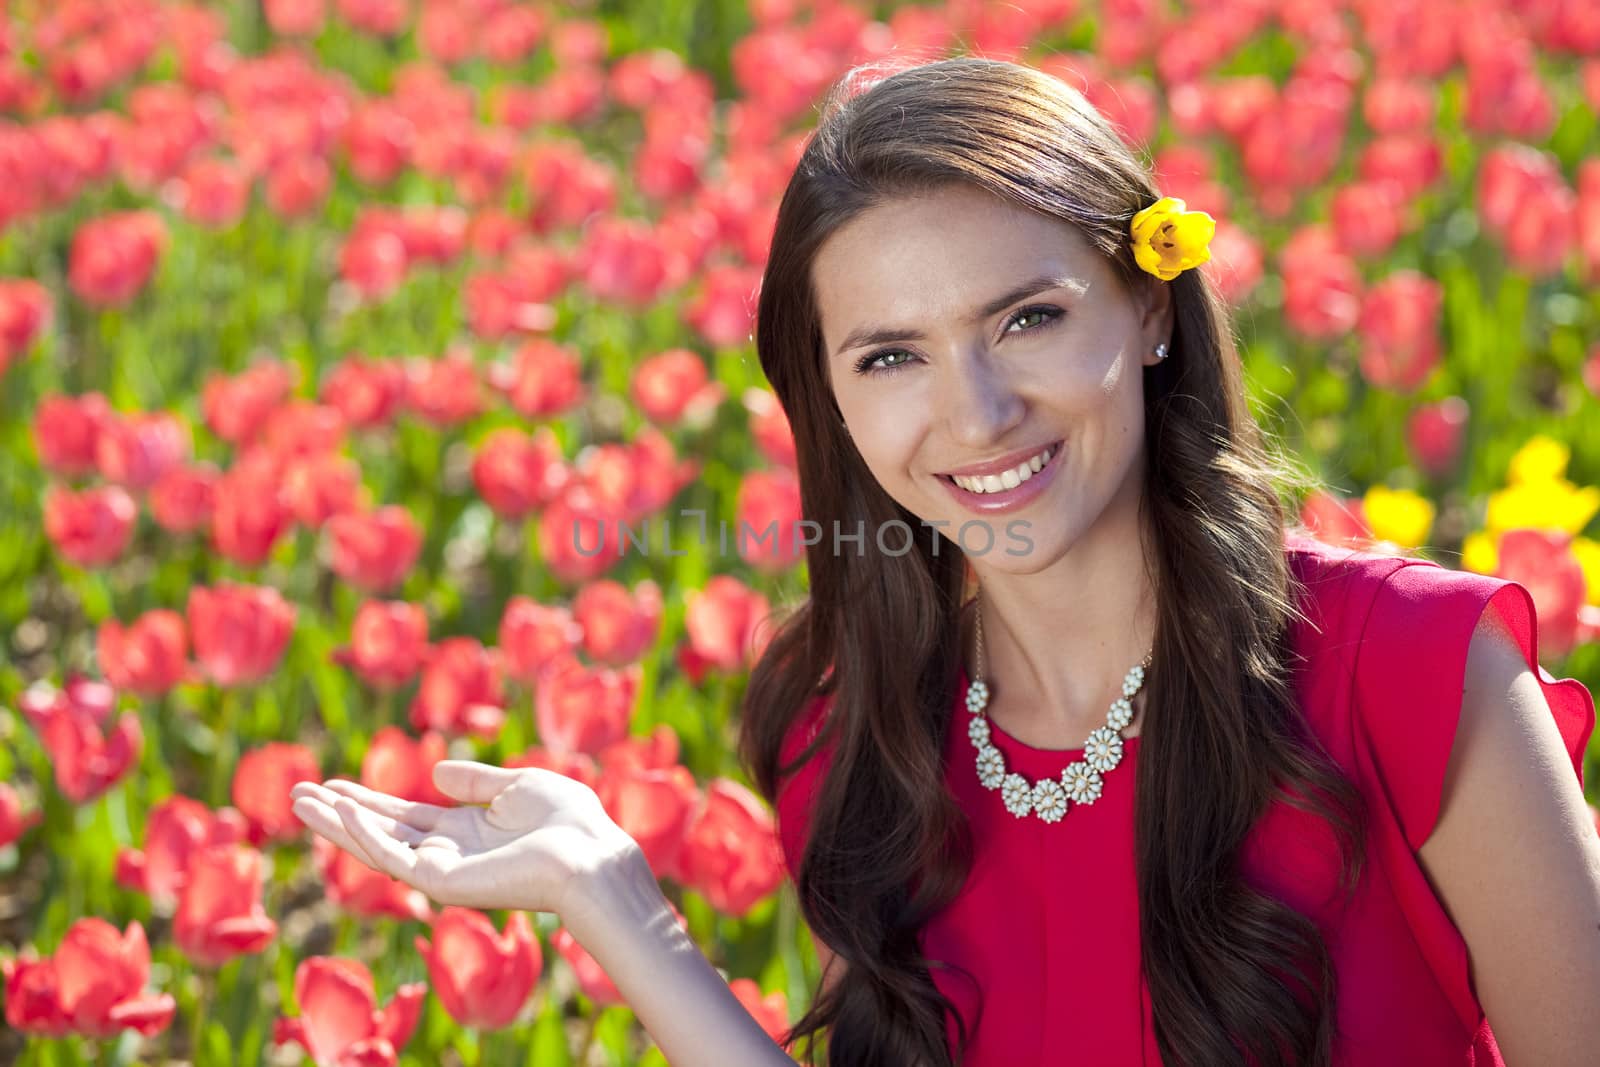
(1004, 463)
(1008, 499)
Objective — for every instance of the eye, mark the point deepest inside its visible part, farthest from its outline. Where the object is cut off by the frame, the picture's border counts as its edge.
(1051, 315)
(870, 364)
(865, 365)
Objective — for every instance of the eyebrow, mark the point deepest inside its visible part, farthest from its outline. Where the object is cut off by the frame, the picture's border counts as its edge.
(1032, 287)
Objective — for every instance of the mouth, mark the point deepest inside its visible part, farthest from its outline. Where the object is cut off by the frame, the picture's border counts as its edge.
(1009, 477)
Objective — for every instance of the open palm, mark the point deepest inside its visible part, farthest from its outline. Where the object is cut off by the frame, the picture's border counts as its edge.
(533, 847)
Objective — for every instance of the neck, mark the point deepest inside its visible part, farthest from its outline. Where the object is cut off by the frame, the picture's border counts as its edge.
(1057, 643)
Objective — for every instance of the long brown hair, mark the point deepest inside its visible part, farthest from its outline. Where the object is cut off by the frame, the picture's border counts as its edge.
(1234, 975)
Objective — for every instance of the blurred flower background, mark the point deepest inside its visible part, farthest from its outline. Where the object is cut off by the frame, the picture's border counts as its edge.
(324, 323)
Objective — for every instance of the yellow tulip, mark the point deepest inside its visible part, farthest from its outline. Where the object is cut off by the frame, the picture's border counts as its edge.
(1480, 552)
(1588, 553)
(1398, 515)
(1551, 504)
(1168, 240)
(1541, 459)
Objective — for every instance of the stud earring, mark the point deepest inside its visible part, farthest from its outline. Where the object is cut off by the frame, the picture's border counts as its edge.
(1161, 350)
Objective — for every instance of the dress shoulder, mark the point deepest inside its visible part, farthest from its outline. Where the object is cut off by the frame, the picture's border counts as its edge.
(1409, 680)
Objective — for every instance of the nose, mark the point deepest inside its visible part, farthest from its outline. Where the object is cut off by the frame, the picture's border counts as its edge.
(982, 403)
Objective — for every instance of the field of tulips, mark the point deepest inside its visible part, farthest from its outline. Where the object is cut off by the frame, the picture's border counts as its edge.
(325, 323)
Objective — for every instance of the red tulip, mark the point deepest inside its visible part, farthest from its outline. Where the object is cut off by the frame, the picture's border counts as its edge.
(25, 313)
(1398, 105)
(673, 386)
(94, 985)
(340, 1023)
(444, 391)
(214, 193)
(724, 311)
(770, 1010)
(1235, 265)
(89, 528)
(534, 636)
(517, 473)
(87, 758)
(725, 623)
(149, 657)
(376, 138)
(303, 429)
(635, 479)
(219, 912)
(768, 519)
(730, 850)
(482, 978)
(655, 751)
(1321, 286)
(1333, 519)
(622, 261)
(176, 829)
(769, 425)
(112, 257)
(584, 709)
(249, 513)
(1588, 218)
(261, 783)
(543, 379)
(1399, 324)
(360, 890)
(593, 982)
(1409, 161)
(13, 823)
(618, 626)
(461, 690)
(1524, 200)
(317, 488)
(375, 551)
(1434, 433)
(1367, 217)
(66, 432)
(654, 807)
(237, 408)
(383, 18)
(184, 499)
(388, 643)
(239, 631)
(295, 18)
(578, 534)
(511, 33)
(565, 186)
(1543, 561)
(399, 766)
(298, 185)
(367, 392)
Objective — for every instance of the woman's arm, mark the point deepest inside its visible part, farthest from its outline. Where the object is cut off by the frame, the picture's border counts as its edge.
(627, 926)
(1515, 860)
(545, 843)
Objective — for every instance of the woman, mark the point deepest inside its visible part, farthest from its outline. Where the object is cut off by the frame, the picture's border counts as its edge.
(1357, 824)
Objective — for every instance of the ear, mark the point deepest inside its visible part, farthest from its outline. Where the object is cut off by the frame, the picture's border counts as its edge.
(1153, 301)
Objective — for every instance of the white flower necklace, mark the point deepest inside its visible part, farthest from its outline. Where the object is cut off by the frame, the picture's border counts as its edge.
(1080, 783)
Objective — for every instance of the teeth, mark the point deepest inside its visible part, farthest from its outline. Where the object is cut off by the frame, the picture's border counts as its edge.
(994, 483)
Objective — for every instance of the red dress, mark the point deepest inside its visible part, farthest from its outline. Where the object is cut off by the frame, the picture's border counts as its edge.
(1048, 922)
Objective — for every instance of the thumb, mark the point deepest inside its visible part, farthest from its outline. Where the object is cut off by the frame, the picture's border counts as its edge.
(470, 782)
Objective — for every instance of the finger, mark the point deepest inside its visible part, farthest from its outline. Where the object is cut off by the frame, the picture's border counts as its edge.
(389, 855)
(470, 782)
(421, 816)
(323, 820)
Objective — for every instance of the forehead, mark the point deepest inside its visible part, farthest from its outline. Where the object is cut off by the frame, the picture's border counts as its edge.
(928, 259)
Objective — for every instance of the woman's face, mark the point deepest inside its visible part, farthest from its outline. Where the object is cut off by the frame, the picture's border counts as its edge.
(965, 337)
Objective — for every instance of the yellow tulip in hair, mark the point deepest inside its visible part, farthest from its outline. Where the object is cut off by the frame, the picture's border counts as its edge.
(1168, 240)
